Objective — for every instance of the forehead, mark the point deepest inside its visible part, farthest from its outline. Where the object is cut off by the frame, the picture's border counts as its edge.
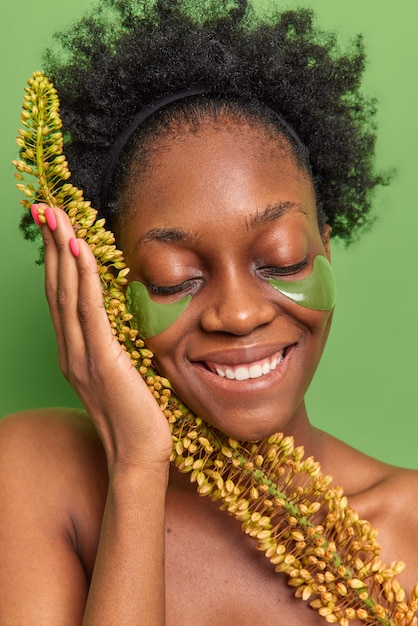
(219, 170)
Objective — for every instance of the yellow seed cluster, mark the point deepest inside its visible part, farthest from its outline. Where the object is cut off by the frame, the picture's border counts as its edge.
(302, 523)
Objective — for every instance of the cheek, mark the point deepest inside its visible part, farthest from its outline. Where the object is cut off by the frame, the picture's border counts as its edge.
(327, 324)
(169, 344)
(169, 360)
(319, 326)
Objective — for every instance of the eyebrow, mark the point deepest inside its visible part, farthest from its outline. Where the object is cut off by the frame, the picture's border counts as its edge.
(165, 235)
(175, 235)
(272, 213)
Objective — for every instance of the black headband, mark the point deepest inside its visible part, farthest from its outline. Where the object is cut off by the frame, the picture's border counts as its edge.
(148, 110)
(137, 120)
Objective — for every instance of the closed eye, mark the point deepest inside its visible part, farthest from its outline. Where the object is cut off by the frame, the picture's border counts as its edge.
(188, 285)
(286, 270)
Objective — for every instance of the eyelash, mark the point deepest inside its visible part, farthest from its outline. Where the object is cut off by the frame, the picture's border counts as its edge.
(284, 271)
(270, 271)
(171, 290)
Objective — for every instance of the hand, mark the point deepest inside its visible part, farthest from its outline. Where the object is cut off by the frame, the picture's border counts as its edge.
(131, 425)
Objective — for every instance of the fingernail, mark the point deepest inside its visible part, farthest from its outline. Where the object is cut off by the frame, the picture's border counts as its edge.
(35, 215)
(51, 220)
(75, 250)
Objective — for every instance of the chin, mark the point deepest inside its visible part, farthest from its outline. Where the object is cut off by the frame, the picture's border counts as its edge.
(245, 425)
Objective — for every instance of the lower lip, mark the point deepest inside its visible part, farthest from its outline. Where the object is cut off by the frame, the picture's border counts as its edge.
(251, 385)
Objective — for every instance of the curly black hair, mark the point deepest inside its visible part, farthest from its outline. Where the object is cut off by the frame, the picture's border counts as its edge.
(124, 54)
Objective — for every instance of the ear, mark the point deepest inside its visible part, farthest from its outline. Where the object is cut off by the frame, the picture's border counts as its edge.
(326, 235)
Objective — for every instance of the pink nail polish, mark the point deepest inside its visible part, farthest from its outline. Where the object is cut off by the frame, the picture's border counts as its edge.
(34, 211)
(51, 220)
(75, 250)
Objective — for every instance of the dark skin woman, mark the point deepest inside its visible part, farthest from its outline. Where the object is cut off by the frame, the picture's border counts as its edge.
(214, 198)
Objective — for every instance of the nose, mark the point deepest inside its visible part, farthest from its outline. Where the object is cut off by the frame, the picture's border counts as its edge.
(237, 306)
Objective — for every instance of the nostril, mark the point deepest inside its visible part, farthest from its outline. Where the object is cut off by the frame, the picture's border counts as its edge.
(237, 315)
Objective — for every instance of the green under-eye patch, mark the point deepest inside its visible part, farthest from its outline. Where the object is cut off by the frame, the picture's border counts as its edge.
(149, 317)
(316, 291)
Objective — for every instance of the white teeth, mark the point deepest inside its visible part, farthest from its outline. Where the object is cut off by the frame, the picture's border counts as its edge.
(266, 368)
(256, 371)
(253, 371)
(242, 373)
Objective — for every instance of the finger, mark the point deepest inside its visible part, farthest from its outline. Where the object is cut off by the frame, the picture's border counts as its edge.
(98, 335)
(62, 290)
(91, 346)
(51, 286)
(67, 286)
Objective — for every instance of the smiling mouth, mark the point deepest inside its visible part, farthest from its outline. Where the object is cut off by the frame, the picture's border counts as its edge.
(248, 370)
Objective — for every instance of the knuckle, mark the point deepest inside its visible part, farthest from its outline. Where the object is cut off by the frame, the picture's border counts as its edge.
(50, 292)
(48, 244)
(83, 376)
(78, 371)
(63, 363)
(84, 310)
(61, 247)
(88, 310)
(62, 298)
(76, 376)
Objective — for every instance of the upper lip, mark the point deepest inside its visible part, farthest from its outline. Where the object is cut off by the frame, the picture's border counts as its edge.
(241, 356)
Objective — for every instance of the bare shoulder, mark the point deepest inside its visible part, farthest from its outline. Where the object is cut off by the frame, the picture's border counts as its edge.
(394, 513)
(53, 458)
(58, 443)
(383, 494)
(389, 500)
(53, 483)
(44, 426)
(360, 474)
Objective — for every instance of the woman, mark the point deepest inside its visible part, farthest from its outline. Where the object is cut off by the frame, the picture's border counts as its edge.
(224, 156)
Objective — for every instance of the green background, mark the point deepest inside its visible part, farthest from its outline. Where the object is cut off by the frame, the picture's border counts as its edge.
(366, 389)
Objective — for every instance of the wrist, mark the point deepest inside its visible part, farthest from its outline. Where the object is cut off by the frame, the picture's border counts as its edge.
(138, 474)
